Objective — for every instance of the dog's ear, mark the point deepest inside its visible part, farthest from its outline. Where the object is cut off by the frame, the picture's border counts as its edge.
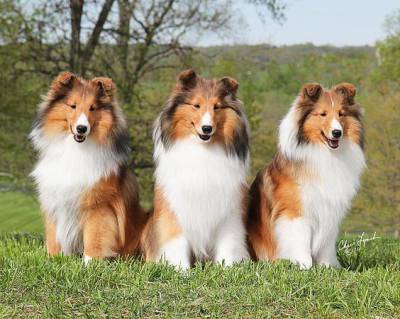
(347, 91)
(311, 92)
(105, 87)
(229, 86)
(187, 79)
(63, 83)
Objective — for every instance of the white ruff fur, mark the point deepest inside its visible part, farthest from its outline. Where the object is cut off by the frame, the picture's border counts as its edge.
(326, 193)
(204, 188)
(66, 170)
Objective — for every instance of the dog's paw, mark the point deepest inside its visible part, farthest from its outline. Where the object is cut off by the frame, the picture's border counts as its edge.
(86, 260)
(330, 264)
(303, 263)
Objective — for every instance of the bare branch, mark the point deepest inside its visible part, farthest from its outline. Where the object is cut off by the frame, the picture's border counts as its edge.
(94, 37)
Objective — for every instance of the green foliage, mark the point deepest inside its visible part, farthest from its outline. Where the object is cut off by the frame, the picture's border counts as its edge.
(19, 96)
(388, 53)
(389, 59)
(33, 285)
(378, 204)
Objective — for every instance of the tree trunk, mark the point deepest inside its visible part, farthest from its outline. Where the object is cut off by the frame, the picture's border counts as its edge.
(90, 46)
(76, 7)
(124, 15)
(125, 8)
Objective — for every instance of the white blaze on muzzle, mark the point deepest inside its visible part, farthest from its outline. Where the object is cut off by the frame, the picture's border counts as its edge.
(82, 121)
(335, 125)
(206, 128)
(206, 119)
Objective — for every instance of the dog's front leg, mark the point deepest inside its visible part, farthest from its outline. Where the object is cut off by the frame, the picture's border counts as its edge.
(327, 255)
(176, 252)
(101, 235)
(52, 245)
(230, 243)
(293, 237)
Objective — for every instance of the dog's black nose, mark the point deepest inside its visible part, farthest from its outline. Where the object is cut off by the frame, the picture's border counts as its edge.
(81, 129)
(207, 129)
(336, 133)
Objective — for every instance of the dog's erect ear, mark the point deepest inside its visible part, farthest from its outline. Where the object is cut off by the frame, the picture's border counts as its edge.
(105, 87)
(229, 86)
(311, 92)
(187, 79)
(347, 91)
(63, 82)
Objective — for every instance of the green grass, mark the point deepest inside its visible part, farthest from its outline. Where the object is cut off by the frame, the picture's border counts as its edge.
(19, 212)
(33, 285)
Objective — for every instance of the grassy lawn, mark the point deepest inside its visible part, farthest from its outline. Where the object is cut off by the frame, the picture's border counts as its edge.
(33, 285)
(19, 212)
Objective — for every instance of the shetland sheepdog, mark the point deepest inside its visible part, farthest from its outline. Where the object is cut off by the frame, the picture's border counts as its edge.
(88, 196)
(201, 155)
(298, 201)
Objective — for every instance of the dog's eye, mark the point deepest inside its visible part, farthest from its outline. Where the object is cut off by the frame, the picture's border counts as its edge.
(341, 114)
(91, 108)
(197, 106)
(217, 106)
(323, 114)
(73, 106)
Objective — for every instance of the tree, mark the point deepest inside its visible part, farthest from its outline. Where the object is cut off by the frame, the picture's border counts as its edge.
(51, 32)
(80, 57)
(388, 50)
(126, 39)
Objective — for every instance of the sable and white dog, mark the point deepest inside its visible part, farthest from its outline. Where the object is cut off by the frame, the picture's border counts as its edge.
(88, 196)
(202, 156)
(299, 200)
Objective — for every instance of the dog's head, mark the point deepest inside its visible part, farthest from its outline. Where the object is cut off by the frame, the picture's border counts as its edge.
(84, 109)
(207, 110)
(328, 116)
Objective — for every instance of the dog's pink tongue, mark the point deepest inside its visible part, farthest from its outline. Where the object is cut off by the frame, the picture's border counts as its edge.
(333, 143)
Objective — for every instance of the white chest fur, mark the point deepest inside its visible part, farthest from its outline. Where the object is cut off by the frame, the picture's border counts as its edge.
(64, 172)
(203, 186)
(326, 195)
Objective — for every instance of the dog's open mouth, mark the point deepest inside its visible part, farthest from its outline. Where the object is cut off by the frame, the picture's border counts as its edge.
(205, 137)
(333, 143)
(79, 138)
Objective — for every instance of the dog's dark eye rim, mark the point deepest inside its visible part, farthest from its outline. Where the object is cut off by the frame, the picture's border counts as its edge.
(91, 108)
(197, 106)
(216, 106)
(72, 106)
(341, 113)
(323, 114)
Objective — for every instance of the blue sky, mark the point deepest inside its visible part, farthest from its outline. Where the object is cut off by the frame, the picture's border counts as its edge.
(336, 22)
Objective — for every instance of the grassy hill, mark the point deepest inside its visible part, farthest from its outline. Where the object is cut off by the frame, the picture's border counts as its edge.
(33, 285)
